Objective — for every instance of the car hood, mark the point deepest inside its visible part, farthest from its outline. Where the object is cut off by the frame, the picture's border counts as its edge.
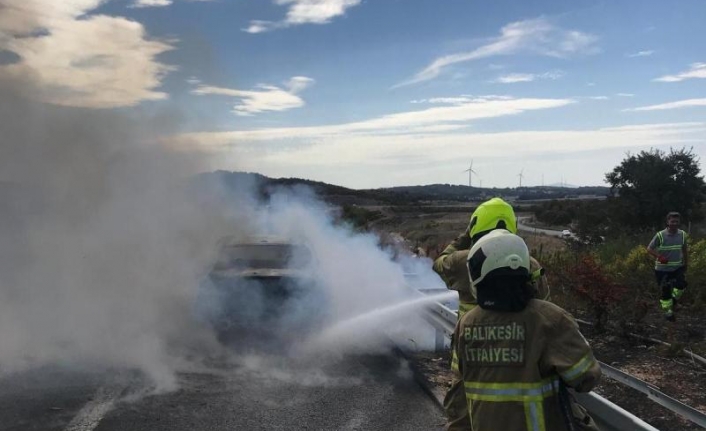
(260, 273)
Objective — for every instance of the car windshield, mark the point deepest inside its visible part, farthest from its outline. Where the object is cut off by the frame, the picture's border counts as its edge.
(259, 256)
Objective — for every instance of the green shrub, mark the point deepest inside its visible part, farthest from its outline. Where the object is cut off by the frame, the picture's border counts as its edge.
(615, 282)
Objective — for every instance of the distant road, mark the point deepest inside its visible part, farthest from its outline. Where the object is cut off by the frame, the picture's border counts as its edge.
(535, 230)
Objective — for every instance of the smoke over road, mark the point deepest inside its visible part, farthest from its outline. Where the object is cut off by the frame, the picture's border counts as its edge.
(102, 243)
(103, 240)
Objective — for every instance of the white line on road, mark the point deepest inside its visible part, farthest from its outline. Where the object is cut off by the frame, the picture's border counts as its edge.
(88, 418)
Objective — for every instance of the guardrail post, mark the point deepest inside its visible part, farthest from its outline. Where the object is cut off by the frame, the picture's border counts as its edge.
(439, 338)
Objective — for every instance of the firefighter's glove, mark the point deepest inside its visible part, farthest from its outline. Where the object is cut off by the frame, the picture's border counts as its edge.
(663, 260)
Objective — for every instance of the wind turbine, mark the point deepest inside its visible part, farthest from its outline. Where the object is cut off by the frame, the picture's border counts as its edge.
(470, 173)
(521, 176)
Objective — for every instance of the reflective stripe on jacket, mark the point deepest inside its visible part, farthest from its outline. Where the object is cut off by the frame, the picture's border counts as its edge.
(512, 364)
(670, 246)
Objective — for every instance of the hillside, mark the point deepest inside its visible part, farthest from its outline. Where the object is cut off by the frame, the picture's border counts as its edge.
(240, 181)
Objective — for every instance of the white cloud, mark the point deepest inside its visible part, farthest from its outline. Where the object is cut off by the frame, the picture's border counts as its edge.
(265, 98)
(641, 54)
(259, 26)
(515, 77)
(444, 148)
(450, 100)
(151, 3)
(436, 128)
(304, 12)
(434, 118)
(697, 70)
(535, 36)
(315, 11)
(429, 157)
(78, 59)
(157, 3)
(299, 83)
(625, 95)
(671, 105)
(528, 77)
(599, 97)
(447, 100)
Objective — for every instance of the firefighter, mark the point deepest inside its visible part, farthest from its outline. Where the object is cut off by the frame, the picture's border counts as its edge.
(451, 266)
(451, 263)
(516, 352)
(668, 247)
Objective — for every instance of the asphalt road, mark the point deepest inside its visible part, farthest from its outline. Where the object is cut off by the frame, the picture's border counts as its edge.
(45, 399)
(353, 392)
(523, 227)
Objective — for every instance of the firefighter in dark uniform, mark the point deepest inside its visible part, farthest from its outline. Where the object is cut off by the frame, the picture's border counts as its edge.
(515, 352)
(451, 266)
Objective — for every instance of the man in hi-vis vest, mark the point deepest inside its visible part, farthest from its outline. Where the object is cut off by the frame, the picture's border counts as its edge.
(671, 258)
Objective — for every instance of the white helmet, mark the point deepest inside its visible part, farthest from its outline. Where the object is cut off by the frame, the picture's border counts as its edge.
(498, 253)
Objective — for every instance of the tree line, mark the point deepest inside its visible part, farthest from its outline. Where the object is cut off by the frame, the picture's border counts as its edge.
(643, 188)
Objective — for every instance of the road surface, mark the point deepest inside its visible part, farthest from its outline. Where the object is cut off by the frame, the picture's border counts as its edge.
(354, 392)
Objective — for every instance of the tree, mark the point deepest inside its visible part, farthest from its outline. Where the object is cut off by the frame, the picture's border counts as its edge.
(646, 186)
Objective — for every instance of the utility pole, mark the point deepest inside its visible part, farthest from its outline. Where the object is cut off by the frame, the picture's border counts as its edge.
(520, 175)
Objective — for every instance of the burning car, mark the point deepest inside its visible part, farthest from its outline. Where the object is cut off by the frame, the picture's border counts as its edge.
(263, 287)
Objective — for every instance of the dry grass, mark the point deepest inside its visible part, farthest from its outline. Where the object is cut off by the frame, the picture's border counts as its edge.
(432, 231)
(543, 244)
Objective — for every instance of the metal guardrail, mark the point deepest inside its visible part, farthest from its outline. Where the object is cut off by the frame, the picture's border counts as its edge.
(608, 416)
(445, 317)
(655, 395)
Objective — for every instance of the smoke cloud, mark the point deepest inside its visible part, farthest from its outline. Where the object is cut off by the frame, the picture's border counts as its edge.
(106, 237)
(103, 240)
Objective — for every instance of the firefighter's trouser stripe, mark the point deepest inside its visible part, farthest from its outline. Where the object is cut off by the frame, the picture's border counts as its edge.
(578, 368)
(532, 396)
(534, 416)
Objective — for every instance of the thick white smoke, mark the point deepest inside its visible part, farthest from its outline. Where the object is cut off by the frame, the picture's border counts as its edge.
(365, 287)
(103, 242)
(106, 236)
(106, 239)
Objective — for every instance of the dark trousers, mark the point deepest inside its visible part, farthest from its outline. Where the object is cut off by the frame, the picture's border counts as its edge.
(668, 280)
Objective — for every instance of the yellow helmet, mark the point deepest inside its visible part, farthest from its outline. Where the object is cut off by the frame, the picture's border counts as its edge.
(492, 214)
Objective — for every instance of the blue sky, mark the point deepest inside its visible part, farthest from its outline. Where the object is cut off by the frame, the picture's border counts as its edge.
(382, 93)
